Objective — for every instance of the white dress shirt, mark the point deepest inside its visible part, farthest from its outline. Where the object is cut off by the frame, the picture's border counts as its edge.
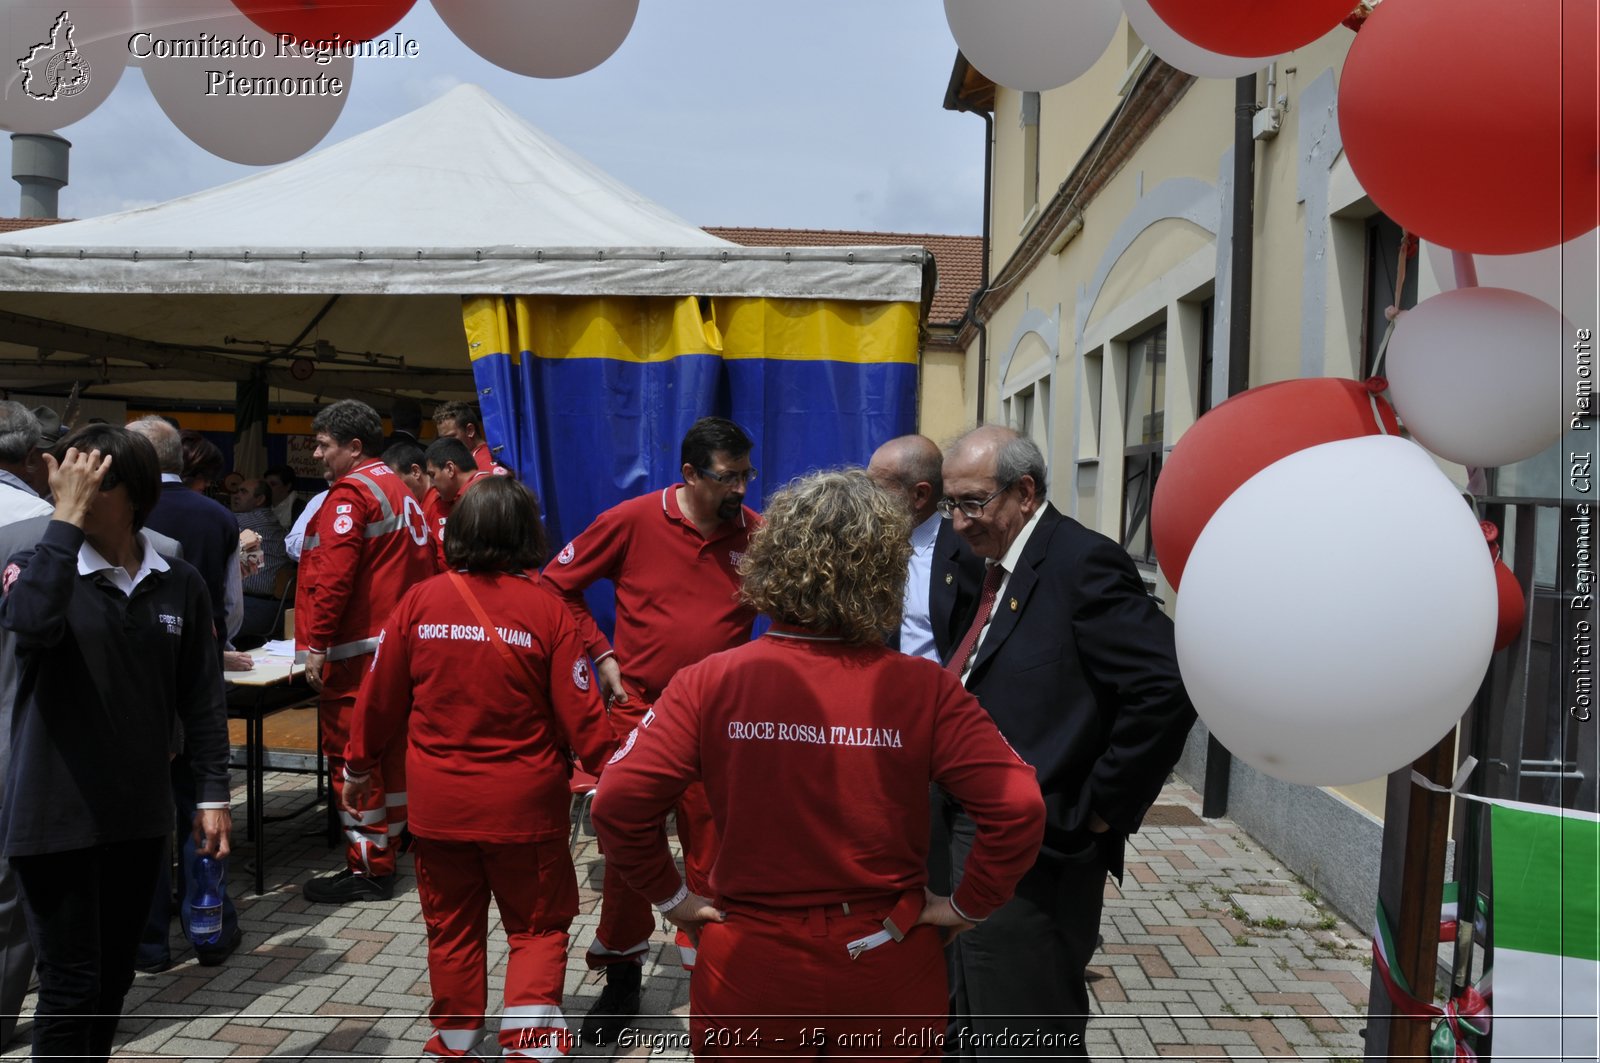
(916, 626)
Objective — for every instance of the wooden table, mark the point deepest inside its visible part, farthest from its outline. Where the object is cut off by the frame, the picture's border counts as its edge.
(268, 673)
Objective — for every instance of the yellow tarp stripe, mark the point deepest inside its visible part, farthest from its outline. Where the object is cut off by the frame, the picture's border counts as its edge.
(645, 329)
(818, 330)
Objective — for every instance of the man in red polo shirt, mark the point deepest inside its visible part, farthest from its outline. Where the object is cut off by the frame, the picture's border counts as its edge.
(451, 469)
(366, 547)
(673, 558)
(461, 420)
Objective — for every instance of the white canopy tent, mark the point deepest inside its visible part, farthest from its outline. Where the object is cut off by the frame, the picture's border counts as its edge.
(343, 271)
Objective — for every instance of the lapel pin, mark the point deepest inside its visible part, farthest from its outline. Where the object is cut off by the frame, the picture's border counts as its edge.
(948, 579)
(1013, 605)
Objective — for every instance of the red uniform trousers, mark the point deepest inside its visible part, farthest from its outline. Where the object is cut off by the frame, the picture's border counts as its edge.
(780, 982)
(627, 918)
(372, 828)
(536, 890)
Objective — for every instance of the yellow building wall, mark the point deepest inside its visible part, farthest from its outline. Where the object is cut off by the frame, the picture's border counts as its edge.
(942, 403)
(1166, 271)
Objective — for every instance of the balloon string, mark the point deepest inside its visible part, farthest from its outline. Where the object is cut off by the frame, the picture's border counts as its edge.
(1383, 345)
(1408, 244)
(1377, 414)
(1466, 268)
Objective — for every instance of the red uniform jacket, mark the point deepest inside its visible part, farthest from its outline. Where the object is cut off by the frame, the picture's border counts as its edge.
(486, 759)
(366, 547)
(816, 758)
(677, 592)
(486, 462)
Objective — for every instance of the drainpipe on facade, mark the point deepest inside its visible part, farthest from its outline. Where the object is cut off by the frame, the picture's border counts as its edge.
(983, 285)
(1219, 762)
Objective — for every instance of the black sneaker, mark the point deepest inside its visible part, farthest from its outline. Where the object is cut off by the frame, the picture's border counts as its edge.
(345, 886)
(617, 1007)
(213, 955)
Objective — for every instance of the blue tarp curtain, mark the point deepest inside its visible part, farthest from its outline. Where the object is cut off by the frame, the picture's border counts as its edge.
(589, 398)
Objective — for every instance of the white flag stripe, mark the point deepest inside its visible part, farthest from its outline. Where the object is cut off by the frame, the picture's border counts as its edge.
(1525, 984)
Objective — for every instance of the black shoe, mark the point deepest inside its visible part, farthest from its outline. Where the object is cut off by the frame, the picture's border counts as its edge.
(159, 967)
(213, 955)
(345, 886)
(617, 1007)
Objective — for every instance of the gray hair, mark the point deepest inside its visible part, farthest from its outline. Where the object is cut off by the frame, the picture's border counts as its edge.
(165, 438)
(1018, 458)
(1016, 455)
(20, 432)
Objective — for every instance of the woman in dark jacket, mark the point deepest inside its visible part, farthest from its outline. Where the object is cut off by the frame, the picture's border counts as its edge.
(115, 647)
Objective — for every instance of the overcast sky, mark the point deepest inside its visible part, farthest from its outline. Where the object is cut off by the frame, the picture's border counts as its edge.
(819, 114)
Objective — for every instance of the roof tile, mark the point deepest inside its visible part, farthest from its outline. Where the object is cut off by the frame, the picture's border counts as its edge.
(959, 258)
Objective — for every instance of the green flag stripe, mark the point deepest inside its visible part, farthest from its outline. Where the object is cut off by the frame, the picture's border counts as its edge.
(1545, 870)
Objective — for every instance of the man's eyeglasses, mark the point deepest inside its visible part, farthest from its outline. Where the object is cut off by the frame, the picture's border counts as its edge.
(728, 479)
(970, 508)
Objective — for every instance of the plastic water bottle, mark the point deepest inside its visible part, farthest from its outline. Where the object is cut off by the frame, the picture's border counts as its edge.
(206, 885)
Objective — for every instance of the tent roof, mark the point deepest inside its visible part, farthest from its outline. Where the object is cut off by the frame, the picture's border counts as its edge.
(460, 196)
(462, 170)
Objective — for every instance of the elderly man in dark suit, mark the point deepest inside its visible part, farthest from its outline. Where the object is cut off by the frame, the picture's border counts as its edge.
(1075, 662)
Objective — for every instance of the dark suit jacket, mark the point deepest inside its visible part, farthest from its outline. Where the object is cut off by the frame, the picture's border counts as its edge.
(208, 532)
(1080, 674)
(955, 583)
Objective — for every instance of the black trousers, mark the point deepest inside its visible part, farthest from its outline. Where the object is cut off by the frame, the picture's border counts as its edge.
(1017, 980)
(85, 909)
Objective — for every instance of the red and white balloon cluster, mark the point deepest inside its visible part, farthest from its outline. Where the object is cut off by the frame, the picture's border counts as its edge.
(1337, 606)
(262, 81)
(1473, 124)
(1334, 583)
(1034, 45)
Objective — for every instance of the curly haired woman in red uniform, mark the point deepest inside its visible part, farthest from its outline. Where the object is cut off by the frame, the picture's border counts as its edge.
(485, 669)
(816, 744)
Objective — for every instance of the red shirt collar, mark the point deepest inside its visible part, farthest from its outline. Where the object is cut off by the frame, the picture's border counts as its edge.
(669, 506)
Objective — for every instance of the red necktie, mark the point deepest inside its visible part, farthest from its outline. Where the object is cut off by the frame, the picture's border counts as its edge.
(969, 642)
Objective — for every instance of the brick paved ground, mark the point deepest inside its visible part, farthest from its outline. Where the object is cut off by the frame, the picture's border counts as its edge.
(1186, 972)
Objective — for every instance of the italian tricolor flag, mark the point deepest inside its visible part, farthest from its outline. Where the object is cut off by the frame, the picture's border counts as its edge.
(1546, 933)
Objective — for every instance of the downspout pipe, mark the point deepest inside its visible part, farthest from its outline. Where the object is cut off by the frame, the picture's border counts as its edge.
(983, 286)
(1219, 762)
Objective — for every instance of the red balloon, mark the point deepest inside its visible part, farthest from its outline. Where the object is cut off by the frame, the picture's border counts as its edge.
(325, 20)
(1241, 437)
(1472, 123)
(1513, 606)
(1252, 27)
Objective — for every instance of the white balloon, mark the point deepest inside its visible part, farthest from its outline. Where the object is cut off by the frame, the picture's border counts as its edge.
(59, 62)
(1182, 53)
(1032, 45)
(541, 38)
(1337, 612)
(1562, 276)
(218, 101)
(1475, 374)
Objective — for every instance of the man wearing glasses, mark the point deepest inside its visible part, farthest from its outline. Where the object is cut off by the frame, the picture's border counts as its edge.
(673, 558)
(1075, 663)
